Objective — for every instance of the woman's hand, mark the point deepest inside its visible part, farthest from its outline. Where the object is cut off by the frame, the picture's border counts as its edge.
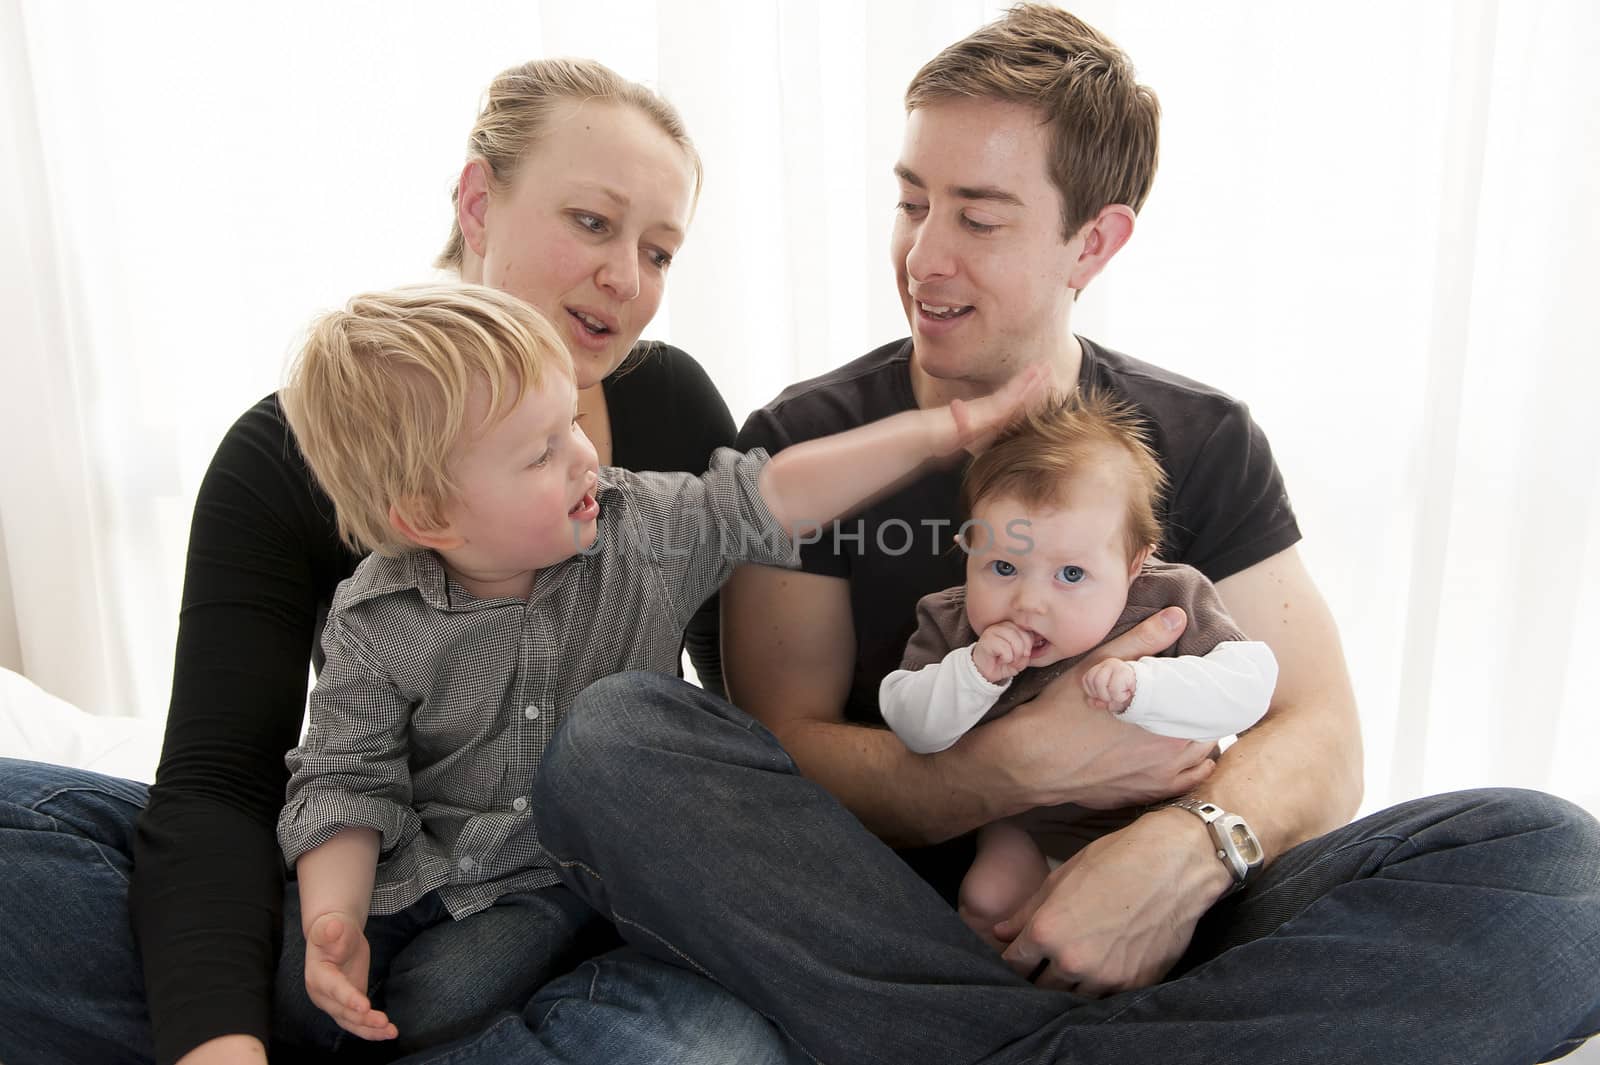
(337, 959)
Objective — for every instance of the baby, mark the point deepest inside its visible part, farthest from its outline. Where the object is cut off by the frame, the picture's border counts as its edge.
(510, 570)
(1060, 559)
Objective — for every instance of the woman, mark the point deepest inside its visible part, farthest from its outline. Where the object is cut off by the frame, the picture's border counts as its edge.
(576, 194)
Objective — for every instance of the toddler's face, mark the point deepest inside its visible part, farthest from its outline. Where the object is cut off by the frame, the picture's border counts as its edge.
(526, 485)
(1061, 575)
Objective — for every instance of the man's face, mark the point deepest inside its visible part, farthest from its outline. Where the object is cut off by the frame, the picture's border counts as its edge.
(977, 246)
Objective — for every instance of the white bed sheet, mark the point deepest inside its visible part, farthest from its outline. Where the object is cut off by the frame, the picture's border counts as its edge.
(39, 726)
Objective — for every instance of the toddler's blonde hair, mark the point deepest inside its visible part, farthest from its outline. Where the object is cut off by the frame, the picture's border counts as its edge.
(377, 398)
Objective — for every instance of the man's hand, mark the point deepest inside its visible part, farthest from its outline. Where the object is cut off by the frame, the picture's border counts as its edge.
(1058, 748)
(1109, 684)
(1001, 652)
(1120, 912)
(337, 959)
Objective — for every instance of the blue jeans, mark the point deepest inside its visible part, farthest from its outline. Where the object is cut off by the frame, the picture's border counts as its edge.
(1458, 928)
(71, 989)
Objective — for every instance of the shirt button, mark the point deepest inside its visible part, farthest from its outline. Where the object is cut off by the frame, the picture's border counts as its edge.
(519, 804)
(530, 712)
(466, 865)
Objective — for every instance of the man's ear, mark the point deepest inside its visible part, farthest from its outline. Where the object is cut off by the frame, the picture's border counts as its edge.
(1139, 559)
(423, 534)
(472, 203)
(1101, 237)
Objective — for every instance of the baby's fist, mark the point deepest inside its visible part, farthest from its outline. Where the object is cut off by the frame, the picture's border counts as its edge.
(1001, 652)
(1109, 684)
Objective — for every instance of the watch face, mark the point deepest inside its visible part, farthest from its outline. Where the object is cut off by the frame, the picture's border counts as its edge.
(1245, 842)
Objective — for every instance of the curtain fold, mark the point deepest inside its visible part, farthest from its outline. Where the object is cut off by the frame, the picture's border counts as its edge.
(1376, 223)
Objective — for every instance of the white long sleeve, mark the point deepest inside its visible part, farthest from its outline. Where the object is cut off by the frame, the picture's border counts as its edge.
(1204, 698)
(932, 707)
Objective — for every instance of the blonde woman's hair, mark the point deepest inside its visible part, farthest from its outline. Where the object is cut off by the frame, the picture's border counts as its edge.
(517, 108)
(1103, 123)
(1038, 459)
(377, 397)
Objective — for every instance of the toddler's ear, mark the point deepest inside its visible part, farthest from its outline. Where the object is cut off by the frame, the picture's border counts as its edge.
(1139, 559)
(440, 537)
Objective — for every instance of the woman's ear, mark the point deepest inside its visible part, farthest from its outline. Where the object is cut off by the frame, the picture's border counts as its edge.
(423, 534)
(472, 204)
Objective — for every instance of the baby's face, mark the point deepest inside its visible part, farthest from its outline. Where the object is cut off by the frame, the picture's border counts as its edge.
(526, 484)
(1061, 575)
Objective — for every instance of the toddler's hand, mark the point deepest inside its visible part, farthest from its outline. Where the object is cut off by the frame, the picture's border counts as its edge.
(1109, 684)
(978, 420)
(337, 959)
(1001, 652)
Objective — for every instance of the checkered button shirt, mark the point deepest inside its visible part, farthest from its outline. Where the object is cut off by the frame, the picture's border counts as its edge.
(432, 713)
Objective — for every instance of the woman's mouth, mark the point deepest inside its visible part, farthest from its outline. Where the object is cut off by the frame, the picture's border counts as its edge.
(590, 324)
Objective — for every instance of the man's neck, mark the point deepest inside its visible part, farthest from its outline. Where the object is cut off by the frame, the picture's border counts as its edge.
(937, 391)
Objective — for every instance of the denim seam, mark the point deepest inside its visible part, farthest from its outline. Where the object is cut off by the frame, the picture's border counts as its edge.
(33, 808)
(693, 965)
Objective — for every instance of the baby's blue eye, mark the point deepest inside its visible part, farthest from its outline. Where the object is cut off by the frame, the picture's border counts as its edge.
(1072, 574)
(1002, 568)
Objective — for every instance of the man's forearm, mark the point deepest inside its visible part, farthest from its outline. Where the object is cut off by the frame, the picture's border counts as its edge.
(905, 799)
(1294, 776)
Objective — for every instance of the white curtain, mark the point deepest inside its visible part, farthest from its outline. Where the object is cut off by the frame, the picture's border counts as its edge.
(1376, 222)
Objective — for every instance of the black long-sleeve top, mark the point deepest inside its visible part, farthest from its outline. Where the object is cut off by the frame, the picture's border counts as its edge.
(264, 558)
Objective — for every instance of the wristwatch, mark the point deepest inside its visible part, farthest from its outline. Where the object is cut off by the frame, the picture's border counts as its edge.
(1237, 845)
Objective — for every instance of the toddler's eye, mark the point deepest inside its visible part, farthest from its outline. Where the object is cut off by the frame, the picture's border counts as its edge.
(1002, 568)
(1072, 574)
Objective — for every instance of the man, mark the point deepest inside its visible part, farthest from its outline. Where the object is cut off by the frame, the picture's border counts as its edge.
(1019, 181)
(1029, 148)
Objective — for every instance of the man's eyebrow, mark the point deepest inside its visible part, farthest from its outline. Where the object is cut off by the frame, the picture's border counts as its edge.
(992, 193)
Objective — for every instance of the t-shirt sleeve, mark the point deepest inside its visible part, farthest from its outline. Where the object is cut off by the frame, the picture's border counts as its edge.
(1232, 510)
(206, 893)
(818, 553)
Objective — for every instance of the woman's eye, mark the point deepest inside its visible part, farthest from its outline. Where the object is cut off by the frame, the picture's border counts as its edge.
(593, 223)
(1072, 574)
(661, 259)
(1002, 568)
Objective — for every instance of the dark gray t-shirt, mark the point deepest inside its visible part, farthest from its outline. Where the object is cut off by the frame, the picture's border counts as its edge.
(1225, 510)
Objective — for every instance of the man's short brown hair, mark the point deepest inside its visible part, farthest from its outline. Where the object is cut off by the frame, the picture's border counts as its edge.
(1103, 123)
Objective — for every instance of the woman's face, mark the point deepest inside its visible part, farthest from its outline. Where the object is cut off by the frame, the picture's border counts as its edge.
(587, 228)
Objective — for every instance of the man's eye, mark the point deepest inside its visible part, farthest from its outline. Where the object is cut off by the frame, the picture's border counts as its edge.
(1072, 574)
(1002, 568)
(911, 210)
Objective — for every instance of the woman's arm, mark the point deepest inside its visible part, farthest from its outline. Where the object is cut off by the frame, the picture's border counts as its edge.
(207, 886)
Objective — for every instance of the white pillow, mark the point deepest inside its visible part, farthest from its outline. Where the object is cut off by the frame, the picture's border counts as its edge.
(36, 725)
